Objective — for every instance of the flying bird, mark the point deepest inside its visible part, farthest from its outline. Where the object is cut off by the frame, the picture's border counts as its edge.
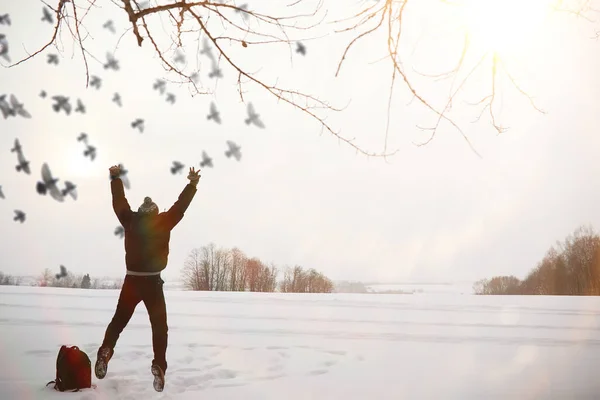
(206, 160)
(179, 57)
(117, 99)
(119, 231)
(206, 49)
(47, 15)
(90, 151)
(80, 107)
(43, 94)
(62, 103)
(194, 77)
(242, 7)
(95, 82)
(214, 113)
(82, 137)
(4, 47)
(70, 189)
(138, 123)
(170, 98)
(23, 163)
(1, 194)
(5, 19)
(19, 216)
(17, 108)
(17, 147)
(300, 48)
(53, 59)
(234, 150)
(109, 25)
(111, 62)
(159, 85)
(48, 185)
(177, 167)
(253, 117)
(5, 107)
(215, 72)
(63, 272)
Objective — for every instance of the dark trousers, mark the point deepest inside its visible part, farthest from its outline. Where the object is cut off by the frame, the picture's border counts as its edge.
(148, 289)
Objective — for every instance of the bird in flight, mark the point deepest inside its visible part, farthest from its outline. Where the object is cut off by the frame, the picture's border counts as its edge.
(243, 7)
(138, 123)
(177, 167)
(4, 47)
(63, 272)
(95, 82)
(206, 160)
(48, 185)
(215, 72)
(214, 113)
(53, 59)
(206, 49)
(119, 231)
(300, 48)
(170, 98)
(160, 85)
(19, 216)
(111, 62)
(90, 151)
(109, 25)
(23, 163)
(234, 150)
(69, 189)
(117, 99)
(179, 57)
(1, 194)
(5, 19)
(80, 107)
(62, 103)
(47, 16)
(253, 117)
(17, 108)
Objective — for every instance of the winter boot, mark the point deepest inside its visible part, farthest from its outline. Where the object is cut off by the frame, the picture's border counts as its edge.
(104, 356)
(159, 378)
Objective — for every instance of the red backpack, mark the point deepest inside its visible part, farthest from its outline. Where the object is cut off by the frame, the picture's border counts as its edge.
(73, 370)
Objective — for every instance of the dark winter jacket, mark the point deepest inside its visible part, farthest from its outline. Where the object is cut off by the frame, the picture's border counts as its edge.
(147, 236)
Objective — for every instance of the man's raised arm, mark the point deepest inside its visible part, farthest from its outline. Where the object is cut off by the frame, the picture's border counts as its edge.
(119, 202)
(175, 213)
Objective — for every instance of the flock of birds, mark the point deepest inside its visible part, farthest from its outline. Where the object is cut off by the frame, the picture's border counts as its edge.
(48, 184)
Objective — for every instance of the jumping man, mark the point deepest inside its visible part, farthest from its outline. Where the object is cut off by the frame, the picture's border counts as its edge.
(147, 234)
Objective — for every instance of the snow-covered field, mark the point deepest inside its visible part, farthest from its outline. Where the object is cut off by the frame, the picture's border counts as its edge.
(423, 288)
(286, 346)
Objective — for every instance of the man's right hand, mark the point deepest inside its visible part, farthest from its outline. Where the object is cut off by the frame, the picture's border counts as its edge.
(115, 171)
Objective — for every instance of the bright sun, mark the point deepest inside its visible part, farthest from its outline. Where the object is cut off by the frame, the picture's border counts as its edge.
(503, 26)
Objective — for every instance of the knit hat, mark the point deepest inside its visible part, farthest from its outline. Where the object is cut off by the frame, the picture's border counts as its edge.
(148, 207)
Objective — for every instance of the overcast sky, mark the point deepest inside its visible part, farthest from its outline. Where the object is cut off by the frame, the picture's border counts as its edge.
(436, 213)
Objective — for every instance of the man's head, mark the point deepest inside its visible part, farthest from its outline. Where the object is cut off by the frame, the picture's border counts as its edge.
(148, 207)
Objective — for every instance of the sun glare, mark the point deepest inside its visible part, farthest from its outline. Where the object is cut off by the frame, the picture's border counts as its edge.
(504, 26)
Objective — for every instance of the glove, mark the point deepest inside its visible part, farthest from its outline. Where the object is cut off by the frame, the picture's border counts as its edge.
(194, 176)
(115, 171)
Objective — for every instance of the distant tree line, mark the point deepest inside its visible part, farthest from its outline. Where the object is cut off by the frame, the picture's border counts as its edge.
(570, 268)
(220, 269)
(9, 280)
(50, 279)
